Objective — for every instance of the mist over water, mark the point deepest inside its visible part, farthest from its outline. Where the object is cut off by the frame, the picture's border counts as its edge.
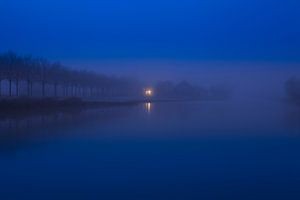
(247, 79)
(216, 132)
(198, 149)
(149, 100)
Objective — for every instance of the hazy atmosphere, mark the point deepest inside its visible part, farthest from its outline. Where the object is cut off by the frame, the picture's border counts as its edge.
(161, 99)
(220, 40)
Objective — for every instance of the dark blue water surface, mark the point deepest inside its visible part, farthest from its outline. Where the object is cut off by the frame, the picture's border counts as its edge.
(178, 150)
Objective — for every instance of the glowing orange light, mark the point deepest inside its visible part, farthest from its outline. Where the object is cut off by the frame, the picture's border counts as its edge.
(148, 92)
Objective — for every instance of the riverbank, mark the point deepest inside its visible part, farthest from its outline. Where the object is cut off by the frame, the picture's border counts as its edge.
(24, 103)
(52, 103)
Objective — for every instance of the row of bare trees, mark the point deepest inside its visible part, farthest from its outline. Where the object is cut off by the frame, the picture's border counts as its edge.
(26, 71)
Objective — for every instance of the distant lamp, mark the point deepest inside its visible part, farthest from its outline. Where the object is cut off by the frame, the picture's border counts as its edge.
(148, 93)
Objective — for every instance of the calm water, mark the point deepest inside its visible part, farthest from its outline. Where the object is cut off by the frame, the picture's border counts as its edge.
(182, 150)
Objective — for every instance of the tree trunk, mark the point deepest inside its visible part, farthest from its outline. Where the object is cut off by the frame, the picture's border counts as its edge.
(55, 90)
(17, 87)
(76, 90)
(43, 89)
(28, 88)
(10, 94)
(31, 86)
(73, 91)
(67, 91)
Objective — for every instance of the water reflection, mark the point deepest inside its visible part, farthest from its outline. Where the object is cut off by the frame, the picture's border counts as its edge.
(148, 107)
(123, 152)
(181, 119)
(20, 129)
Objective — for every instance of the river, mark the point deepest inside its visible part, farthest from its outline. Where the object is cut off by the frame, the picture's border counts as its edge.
(170, 150)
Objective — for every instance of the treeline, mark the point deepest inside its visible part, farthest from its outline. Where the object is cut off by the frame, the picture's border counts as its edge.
(186, 90)
(292, 87)
(30, 76)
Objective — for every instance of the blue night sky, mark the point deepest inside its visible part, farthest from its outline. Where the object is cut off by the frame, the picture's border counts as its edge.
(90, 32)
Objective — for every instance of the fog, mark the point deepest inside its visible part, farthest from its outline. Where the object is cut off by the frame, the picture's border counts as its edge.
(261, 79)
(149, 100)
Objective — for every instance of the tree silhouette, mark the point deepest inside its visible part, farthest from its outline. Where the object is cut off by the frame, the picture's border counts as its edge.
(73, 83)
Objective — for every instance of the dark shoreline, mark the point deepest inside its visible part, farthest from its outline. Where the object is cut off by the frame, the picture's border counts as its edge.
(52, 103)
(24, 104)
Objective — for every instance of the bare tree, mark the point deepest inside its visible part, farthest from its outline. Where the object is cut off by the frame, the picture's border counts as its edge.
(16, 69)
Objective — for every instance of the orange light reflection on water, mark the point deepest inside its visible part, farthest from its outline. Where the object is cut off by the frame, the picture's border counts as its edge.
(148, 107)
